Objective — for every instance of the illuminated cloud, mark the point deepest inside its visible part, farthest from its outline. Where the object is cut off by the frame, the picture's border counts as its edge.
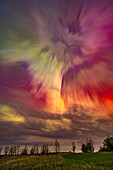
(9, 114)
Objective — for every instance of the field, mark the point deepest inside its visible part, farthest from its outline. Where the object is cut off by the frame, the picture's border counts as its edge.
(78, 161)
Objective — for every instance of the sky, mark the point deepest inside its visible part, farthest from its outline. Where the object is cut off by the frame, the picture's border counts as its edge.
(56, 72)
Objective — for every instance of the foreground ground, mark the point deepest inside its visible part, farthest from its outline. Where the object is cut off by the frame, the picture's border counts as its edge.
(97, 161)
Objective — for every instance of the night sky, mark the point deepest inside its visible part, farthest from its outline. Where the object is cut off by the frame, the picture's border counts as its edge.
(56, 71)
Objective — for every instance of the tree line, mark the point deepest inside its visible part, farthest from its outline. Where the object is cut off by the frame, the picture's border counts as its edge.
(16, 150)
(87, 147)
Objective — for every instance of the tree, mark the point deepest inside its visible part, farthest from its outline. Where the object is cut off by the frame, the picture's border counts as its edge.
(6, 150)
(24, 151)
(36, 150)
(107, 144)
(84, 148)
(32, 151)
(1, 150)
(17, 149)
(45, 149)
(88, 147)
(57, 146)
(14, 150)
(73, 147)
(11, 151)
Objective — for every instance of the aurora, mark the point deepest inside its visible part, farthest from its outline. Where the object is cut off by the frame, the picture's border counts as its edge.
(56, 70)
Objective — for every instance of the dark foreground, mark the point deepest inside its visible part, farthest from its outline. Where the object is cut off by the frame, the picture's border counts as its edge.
(97, 161)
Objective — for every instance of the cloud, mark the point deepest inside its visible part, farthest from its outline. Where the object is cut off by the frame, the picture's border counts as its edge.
(46, 126)
(9, 114)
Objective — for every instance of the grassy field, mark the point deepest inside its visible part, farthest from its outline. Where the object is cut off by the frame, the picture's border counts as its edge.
(97, 161)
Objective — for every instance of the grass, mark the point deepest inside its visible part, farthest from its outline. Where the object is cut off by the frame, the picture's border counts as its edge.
(93, 161)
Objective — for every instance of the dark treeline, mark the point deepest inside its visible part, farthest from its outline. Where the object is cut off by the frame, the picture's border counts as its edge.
(87, 147)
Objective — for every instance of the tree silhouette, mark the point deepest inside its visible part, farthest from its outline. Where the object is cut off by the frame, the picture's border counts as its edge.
(88, 147)
(24, 151)
(45, 149)
(12, 150)
(57, 146)
(107, 144)
(36, 150)
(1, 148)
(73, 147)
(6, 150)
(17, 149)
(84, 148)
(32, 151)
